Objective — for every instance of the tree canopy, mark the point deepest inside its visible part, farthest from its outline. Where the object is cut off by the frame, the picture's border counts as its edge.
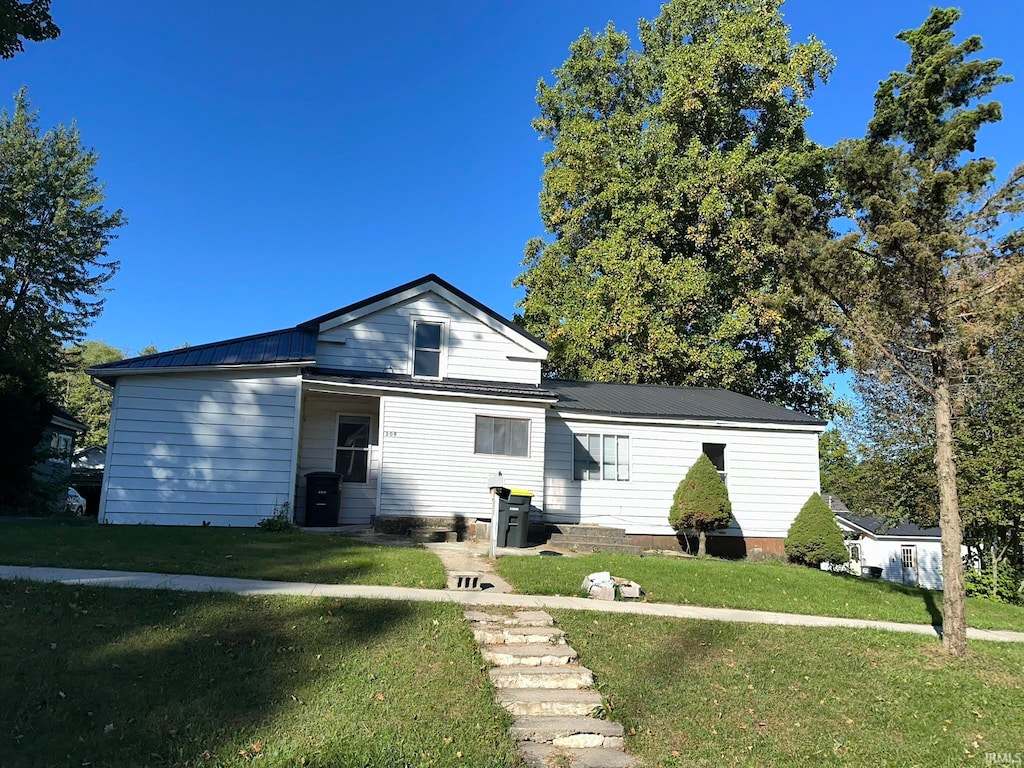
(932, 259)
(24, 21)
(657, 193)
(77, 393)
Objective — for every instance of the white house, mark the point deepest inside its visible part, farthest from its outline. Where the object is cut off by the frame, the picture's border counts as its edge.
(903, 553)
(418, 396)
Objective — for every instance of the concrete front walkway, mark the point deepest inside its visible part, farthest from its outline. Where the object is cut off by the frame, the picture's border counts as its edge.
(188, 583)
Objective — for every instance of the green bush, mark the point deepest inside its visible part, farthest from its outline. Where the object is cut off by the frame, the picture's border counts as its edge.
(280, 521)
(815, 537)
(978, 583)
(701, 502)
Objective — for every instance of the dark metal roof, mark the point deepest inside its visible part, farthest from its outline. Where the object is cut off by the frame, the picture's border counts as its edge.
(56, 412)
(431, 278)
(404, 381)
(877, 526)
(670, 402)
(291, 345)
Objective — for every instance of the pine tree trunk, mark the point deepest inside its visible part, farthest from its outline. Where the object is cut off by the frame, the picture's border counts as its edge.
(954, 617)
(702, 544)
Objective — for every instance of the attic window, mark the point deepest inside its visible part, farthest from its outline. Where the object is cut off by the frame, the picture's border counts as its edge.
(426, 356)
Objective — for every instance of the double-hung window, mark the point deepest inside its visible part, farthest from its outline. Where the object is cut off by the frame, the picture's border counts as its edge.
(600, 457)
(502, 437)
(353, 450)
(428, 341)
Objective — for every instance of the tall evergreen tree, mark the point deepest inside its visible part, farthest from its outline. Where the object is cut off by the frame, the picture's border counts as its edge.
(54, 233)
(656, 196)
(932, 259)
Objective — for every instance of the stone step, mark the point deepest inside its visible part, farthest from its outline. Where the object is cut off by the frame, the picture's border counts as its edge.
(528, 655)
(519, 619)
(547, 756)
(594, 545)
(490, 634)
(574, 732)
(566, 676)
(548, 701)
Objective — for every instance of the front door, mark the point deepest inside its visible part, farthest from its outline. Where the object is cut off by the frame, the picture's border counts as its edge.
(352, 462)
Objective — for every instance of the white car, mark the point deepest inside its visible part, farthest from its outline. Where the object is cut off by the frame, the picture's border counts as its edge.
(76, 504)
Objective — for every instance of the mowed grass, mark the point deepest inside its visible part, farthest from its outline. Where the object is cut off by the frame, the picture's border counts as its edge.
(711, 694)
(108, 677)
(239, 552)
(768, 586)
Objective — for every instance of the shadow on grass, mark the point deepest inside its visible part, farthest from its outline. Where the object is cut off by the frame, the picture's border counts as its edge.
(931, 598)
(112, 677)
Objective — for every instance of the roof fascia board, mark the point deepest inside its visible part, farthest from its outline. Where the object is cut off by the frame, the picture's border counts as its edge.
(774, 426)
(334, 387)
(74, 426)
(853, 526)
(115, 373)
(536, 351)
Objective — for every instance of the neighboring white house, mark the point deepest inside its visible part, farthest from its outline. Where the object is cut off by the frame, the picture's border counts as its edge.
(904, 553)
(418, 396)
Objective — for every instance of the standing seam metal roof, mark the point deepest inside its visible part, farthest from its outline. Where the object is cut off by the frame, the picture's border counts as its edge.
(291, 345)
(670, 402)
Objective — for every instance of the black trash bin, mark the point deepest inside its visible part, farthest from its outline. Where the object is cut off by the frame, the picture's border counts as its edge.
(871, 571)
(323, 499)
(513, 516)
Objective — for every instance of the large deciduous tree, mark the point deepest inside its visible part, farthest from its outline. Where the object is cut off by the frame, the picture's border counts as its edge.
(932, 257)
(54, 233)
(656, 197)
(86, 401)
(24, 20)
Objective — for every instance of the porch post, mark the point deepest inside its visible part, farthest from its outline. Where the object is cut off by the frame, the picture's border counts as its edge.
(295, 446)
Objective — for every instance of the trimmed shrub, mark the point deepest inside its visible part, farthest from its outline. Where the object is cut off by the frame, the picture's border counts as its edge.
(701, 502)
(815, 536)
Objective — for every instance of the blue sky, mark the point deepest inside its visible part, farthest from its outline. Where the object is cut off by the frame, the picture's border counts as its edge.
(274, 167)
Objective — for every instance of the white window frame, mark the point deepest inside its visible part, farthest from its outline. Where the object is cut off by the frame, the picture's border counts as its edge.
(353, 417)
(442, 356)
(601, 436)
(529, 430)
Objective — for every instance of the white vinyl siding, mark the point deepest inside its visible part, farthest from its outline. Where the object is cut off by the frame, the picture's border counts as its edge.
(187, 449)
(318, 447)
(772, 472)
(382, 342)
(430, 466)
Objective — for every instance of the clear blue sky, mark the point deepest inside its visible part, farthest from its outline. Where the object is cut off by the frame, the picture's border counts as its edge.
(279, 160)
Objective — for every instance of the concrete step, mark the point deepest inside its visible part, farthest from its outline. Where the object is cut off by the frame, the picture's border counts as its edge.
(548, 756)
(519, 619)
(566, 676)
(528, 655)
(591, 532)
(594, 545)
(490, 634)
(573, 732)
(547, 701)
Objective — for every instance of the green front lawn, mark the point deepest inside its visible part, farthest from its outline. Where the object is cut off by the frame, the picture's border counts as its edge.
(240, 552)
(109, 677)
(769, 586)
(712, 694)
